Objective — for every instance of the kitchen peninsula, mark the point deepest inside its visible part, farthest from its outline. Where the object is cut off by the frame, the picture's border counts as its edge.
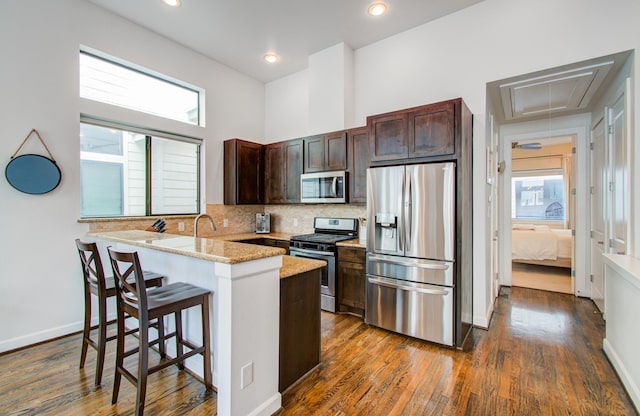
(245, 284)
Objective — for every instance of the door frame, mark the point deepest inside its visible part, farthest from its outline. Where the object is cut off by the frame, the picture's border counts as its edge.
(577, 126)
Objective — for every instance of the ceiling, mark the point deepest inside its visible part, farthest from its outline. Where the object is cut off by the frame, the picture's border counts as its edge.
(560, 91)
(238, 33)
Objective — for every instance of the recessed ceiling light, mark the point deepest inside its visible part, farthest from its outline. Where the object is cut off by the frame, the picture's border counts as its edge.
(272, 58)
(173, 3)
(377, 9)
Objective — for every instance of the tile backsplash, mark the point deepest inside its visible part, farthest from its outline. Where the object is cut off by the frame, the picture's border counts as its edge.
(240, 219)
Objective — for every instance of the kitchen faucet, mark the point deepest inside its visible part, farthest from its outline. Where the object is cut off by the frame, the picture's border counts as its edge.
(195, 223)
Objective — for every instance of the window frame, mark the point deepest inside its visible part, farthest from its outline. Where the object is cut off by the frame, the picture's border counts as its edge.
(148, 73)
(149, 134)
(534, 173)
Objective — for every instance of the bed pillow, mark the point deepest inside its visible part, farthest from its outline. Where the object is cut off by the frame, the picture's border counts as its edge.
(522, 227)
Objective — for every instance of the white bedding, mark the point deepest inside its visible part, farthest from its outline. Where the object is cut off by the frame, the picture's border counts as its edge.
(540, 243)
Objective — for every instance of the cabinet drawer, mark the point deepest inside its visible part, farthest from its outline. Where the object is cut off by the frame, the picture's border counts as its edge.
(353, 255)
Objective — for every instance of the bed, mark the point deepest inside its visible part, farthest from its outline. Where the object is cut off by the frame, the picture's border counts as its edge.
(539, 244)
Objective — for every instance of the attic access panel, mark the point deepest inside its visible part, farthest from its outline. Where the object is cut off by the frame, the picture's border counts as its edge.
(553, 92)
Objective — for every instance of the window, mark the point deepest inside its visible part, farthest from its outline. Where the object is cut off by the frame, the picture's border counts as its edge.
(133, 172)
(113, 83)
(538, 196)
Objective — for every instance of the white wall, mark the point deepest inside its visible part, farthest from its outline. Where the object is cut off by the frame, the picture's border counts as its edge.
(40, 282)
(287, 107)
(456, 56)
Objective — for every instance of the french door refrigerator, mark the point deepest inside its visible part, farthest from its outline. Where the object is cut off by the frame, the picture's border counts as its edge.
(411, 241)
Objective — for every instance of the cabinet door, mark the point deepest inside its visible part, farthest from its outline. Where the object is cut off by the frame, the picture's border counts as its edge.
(335, 150)
(431, 130)
(275, 171)
(314, 157)
(358, 152)
(293, 151)
(351, 280)
(389, 137)
(243, 172)
(250, 173)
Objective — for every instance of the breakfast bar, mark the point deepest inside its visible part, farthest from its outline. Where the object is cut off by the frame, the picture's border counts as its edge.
(245, 284)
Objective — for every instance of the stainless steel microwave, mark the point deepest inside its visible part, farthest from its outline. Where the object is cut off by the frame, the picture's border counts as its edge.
(323, 187)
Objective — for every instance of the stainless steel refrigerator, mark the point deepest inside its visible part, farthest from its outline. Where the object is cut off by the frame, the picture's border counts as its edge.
(411, 246)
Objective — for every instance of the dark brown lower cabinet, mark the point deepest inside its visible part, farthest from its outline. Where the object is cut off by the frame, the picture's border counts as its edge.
(299, 326)
(351, 280)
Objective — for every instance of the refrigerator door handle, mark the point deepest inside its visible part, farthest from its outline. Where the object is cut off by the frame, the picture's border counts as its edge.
(400, 229)
(408, 214)
(414, 287)
(432, 266)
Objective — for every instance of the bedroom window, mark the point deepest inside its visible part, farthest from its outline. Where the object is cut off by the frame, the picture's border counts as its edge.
(538, 196)
(127, 171)
(126, 85)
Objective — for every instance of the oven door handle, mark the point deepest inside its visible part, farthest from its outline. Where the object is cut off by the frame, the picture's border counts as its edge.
(314, 252)
(411, 288)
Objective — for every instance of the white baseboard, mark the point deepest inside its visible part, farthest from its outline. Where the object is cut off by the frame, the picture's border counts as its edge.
(627, 381)
(269, 407)
(483, 321)
(35, 337)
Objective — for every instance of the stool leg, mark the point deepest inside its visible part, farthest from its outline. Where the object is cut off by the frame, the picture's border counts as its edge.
(119, 357)
(143, 365)
(179, 347)
(102, 337)
(206, 341)
(161, 346)
(86, 331)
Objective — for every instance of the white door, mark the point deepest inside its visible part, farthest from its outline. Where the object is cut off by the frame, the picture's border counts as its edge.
(599, 183)
(619, 177)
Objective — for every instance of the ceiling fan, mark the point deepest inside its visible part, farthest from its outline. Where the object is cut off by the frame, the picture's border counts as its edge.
(526, 146)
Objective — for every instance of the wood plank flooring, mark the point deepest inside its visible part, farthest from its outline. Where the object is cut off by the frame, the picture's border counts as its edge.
(541, 356)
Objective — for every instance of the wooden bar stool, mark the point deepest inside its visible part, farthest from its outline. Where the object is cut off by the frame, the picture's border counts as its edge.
(103, 287)
(144, 305)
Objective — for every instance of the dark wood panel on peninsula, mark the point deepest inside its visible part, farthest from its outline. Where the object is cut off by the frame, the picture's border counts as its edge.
(299, 326)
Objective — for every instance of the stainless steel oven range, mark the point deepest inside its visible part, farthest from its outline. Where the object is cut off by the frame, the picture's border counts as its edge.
(322, 246)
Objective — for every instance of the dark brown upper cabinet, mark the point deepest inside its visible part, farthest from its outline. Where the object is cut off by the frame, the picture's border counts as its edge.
(283, 167)
(243, 172)
(325, 152)
(419, 132)
(358, 162)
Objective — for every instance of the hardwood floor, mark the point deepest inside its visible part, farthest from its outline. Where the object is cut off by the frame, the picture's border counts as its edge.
(541, 356)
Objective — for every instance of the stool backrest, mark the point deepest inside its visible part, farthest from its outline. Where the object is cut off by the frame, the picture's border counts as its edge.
(130, 293)
(92, 271)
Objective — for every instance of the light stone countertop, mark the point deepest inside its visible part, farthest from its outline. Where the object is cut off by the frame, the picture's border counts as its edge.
(211, 249)
(292, 266)
(355, 243)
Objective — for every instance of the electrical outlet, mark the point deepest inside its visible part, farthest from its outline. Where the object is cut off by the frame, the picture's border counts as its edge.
(225, 222)
(246, 375)
(295, 222)
(180, 226)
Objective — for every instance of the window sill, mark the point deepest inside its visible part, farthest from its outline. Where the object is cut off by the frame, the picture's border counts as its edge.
(121, 219)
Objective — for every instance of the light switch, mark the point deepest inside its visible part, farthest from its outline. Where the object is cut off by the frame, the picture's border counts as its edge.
(246, 375)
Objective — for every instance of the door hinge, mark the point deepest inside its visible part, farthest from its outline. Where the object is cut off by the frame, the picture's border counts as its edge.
(610, 129)
(592, 190)
(495, 233)
(573, 273)
(573, 191)
(591, 146)
(590, 234)
(573, 233)
(611, 186)
(591, 278)
(573, 150)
